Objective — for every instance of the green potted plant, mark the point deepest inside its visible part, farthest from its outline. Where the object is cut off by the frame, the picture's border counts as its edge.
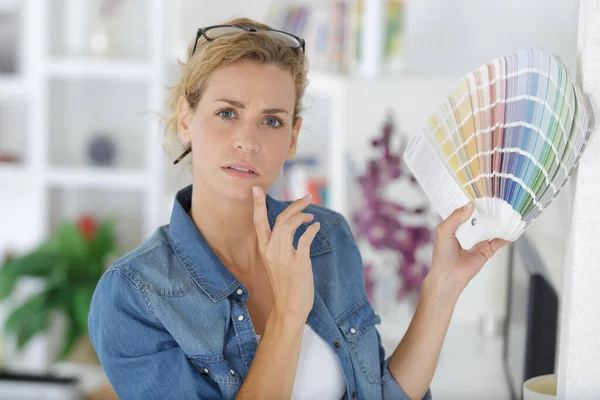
(70, 263)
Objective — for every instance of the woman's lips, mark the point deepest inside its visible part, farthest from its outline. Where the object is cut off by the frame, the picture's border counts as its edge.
(240, 174)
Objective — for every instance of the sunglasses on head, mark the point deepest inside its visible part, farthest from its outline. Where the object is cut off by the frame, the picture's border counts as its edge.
(211, 33)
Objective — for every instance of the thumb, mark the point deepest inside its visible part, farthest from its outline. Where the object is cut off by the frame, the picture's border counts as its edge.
(449, 226)
(497, 244)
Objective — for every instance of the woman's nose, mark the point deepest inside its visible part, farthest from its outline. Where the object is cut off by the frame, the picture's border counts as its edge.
(247, 141)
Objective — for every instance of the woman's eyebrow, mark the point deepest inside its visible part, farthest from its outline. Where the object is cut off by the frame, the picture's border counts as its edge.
(232, 102)
(274, 111)
(237, 104)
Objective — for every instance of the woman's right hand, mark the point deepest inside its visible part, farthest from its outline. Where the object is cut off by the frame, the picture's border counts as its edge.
(289, 269)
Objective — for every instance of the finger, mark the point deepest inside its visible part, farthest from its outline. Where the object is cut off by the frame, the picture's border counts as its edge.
(497, 244)
(448, 227)
(294, 208)
(307, 238)
(482, 250)
(261, 221)
(287, 230)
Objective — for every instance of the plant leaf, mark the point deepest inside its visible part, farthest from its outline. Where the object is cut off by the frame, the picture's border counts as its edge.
(59, 276)
(81, 299)
(28, 319)
(7, 282)
(36, 263)
(71, 336)
(104, 241)
(71, 243)
(35, 325)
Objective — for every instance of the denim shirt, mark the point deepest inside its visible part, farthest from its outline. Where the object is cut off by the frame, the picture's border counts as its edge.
(169, 321)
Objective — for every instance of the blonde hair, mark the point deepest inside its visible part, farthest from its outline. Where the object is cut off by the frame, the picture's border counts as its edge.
(210, 55)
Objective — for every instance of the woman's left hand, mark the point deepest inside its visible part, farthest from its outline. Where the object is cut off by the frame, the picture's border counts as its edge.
(455, 265)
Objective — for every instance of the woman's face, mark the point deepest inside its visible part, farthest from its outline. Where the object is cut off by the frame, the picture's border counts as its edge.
(242, 122)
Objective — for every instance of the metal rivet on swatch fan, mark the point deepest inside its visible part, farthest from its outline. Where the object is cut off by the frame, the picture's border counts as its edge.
(474, 221)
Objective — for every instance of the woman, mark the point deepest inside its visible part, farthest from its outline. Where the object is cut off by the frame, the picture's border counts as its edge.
(242, 296)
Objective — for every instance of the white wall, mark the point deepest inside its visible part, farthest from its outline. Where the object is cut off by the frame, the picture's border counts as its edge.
(455, 36)
(579, 359)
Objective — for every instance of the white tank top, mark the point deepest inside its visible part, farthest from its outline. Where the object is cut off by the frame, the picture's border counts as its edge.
(319, 374)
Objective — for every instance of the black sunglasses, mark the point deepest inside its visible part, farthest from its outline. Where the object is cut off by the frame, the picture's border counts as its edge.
(211, 33)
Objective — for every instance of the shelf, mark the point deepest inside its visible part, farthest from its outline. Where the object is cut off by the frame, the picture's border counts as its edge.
(74, 68)
(324, 82)
(124, 27)
(13, 173)
(82, 111)
(8, 5)
(14, 124)
(11, 87)
(110, 178)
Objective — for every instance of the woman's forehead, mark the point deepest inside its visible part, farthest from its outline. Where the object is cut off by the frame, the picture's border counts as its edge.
(251, 80)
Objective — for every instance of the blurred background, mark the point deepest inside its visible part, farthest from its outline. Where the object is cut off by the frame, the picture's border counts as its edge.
(83, 172)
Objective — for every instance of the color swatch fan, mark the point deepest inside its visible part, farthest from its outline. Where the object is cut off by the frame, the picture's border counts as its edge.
(507, 139)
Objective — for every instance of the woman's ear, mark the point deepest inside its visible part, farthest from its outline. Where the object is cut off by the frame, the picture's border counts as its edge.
(291, 152)
(184, 119)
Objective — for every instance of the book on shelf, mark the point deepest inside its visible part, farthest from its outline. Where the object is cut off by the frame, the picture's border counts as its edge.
(300, 176)
(333, 32)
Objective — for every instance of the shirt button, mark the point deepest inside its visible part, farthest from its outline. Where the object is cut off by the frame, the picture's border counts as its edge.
(352, 330)
(241, 318)
(336, 345)
(354, 395)
(240, 292)
(205, 370)
(232, 372)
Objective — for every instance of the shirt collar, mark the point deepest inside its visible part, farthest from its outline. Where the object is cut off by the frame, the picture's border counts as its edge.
(206, 268)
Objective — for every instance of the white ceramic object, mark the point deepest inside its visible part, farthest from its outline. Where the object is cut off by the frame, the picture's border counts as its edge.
(540, 388)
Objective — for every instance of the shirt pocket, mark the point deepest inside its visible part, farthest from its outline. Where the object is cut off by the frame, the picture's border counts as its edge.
(358, 327)
(217, 368)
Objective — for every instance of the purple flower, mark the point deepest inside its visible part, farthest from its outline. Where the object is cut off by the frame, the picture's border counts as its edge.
(385, 224)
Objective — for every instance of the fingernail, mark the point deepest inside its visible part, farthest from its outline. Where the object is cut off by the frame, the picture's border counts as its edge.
(308, 197)
(468, 207)
(255, 191)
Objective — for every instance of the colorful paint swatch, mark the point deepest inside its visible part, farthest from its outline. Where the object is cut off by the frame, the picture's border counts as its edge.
(508, 136)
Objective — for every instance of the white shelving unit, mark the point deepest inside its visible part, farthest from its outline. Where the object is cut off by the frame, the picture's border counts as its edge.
(97, 178)
(11, 88)
(111, 93)
(115, 70)
(69, 98)
(357, 110)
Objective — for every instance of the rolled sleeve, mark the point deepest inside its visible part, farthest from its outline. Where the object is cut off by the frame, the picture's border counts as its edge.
(139, 356)
(390, 387)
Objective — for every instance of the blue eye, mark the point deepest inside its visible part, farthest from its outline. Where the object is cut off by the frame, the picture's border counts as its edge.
(273, 122)
(226, 114)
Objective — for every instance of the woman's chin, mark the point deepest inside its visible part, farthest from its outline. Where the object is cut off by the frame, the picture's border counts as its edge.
(239, 191)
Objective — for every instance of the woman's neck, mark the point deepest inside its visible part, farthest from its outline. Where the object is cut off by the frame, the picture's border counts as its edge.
(228, 227)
